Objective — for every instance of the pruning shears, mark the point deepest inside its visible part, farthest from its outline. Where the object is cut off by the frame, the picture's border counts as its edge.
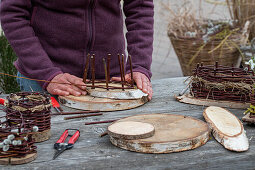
(2, 101)
(60, 146)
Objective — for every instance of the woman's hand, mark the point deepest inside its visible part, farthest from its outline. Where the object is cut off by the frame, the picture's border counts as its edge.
(66, 84)
(141, 80)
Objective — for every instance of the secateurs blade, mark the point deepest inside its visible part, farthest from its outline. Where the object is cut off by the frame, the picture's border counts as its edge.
(60, 146)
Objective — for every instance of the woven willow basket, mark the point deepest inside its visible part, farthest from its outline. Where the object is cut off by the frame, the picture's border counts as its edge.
(186, 48)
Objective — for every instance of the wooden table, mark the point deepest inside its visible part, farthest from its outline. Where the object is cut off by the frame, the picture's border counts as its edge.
(93, 152)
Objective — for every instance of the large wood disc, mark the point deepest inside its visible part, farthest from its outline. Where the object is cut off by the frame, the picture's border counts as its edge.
(102, 104)
(17, 161)
(227, 128)
(115, 93)
(173, 133)
(187, 98)
(131, 130)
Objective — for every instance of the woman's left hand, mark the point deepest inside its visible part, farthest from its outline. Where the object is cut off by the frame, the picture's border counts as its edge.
(141, 80)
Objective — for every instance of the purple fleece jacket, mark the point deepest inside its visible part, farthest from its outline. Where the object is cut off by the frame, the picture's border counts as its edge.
(54, 36)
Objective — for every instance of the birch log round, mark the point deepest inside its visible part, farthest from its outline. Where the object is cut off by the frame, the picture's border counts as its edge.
(115, 93)
(227, 128)
(187, 98)
(101, 104)
(173, 133)
(131, 130)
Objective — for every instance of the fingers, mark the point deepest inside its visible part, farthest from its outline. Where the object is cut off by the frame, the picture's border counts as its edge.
(139, 82)
(143, 83)
(60, 92)
(66, 84)
(150, 92)
(116, 79)
(76, 81)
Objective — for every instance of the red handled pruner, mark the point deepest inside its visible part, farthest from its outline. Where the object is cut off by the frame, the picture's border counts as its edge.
(60, 146)
(2, 101)
(56, 105)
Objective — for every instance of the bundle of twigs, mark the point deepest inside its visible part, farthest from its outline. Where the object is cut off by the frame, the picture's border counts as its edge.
(197, 39)
(222, 83)
(16, 138)
(34, 107)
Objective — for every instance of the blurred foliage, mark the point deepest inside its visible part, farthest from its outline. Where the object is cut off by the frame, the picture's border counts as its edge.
(7, 57)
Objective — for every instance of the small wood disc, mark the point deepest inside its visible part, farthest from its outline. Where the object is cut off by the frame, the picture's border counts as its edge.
(227, 128)
(131, 130)
(17, 161)
(223, 121)
(173, 133)
(101, 104)
(41, 136)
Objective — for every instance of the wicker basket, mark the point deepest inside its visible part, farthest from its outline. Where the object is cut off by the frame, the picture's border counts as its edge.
(186, 49)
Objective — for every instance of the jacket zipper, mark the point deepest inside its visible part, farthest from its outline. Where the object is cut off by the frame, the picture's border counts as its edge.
(90, 10)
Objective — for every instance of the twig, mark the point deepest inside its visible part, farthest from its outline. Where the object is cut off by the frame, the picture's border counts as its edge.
(80, 112)
(100, 122)
(82, 116)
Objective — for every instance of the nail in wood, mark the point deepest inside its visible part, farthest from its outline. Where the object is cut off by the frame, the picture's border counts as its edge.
(123, 68)
(108, 66)
(86, 68)
(93, 71)
(131, 70)
(121, 76)
(82, 116)
(106, 75)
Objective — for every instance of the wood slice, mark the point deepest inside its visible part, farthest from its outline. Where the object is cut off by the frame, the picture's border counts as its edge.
(131, 130)
(41, 136)
(227, 128)
(248, 119)
(102, 104)
(17, 161)
(173, 133)
(115, 93)
(187, 98)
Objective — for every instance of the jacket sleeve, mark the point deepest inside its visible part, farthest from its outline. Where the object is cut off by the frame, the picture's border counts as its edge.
(33, 61)
(139, 22)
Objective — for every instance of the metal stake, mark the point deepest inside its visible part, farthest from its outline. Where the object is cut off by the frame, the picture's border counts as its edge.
(93, 71)
(108, 67)
(86, 68)
(106, 74)
(123, 68)
(121, 76)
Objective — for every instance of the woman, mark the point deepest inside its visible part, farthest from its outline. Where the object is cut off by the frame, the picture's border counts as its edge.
(53, 37)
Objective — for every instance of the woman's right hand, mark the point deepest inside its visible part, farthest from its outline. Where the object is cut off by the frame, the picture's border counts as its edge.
(66, 84)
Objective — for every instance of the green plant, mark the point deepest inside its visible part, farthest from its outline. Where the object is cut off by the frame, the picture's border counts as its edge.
(7, 57)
